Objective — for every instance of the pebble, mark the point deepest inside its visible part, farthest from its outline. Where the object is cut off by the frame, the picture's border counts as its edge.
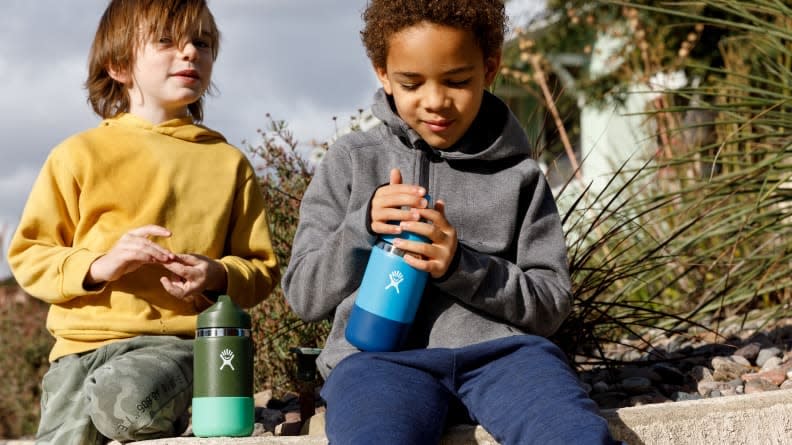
(695, 364)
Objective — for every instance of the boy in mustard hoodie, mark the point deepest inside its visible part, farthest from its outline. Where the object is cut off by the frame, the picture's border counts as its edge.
(134, 227)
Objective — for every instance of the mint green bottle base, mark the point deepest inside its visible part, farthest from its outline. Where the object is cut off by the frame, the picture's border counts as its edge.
(222, 416)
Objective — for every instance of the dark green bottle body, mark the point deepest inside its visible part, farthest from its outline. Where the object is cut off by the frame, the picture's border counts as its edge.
(223, 375)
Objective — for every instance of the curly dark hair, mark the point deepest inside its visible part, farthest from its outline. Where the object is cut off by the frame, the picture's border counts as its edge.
(383, 18)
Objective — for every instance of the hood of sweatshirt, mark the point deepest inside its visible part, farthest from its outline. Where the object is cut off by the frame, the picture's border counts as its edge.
(181, 128)
(494, 135)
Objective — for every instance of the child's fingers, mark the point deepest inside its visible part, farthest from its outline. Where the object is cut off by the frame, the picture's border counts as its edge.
(190, 260)
(383, 228)
(142, 249)
(177, 268)
(426, 257)
(150, 230)
(395, 176)
(400, 191)
(175, 287)
(389, 214)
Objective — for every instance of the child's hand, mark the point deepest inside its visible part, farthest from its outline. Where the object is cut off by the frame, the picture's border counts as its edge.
(192, 274)
(434, 257)
(387, 203)
(131, 251)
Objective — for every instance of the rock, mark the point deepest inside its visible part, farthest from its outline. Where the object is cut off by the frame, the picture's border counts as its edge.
(701, 373)
(771, 363)
(639, 371)
(261, 398)
(682, 396)
(741, 360)
(749, 351)
(647, 399)
(706, 387)
(669, 373)
(759, 385)
(600, 387)
(774, 376)
(636, 385)
(268, 418)
(766, 353)
(725, 369)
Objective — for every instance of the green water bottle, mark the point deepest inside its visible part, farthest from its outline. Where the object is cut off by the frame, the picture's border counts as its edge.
(222, 403)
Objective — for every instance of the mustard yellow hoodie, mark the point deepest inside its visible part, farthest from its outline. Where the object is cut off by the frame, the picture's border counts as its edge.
(127, 173)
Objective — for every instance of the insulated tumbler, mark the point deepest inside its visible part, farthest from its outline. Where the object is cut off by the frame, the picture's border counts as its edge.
(222, 403)
(387, 299)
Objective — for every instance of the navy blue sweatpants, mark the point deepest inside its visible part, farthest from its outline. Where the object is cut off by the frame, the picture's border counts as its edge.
(520, 389)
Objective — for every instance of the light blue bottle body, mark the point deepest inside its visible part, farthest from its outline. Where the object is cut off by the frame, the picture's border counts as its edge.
(387, 299)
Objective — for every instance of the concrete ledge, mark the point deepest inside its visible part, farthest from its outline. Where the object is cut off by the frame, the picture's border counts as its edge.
(763, 418)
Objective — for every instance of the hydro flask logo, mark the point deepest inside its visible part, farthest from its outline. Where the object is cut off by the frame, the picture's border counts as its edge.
(227, 355)
(395, 278)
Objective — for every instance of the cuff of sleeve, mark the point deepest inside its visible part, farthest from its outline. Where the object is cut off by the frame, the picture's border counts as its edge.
(239, 283)
(451, 267)
(231, 279)
(205, 301)
(368, 210)
(73, 271)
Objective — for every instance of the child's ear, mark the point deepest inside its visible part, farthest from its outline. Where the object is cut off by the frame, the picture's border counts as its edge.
(491, 67)
(119, 75)
(382, 75)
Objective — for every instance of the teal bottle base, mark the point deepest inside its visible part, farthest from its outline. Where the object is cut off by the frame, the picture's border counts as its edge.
(222, 416)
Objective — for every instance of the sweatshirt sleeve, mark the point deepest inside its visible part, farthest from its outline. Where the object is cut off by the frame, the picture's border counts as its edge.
(332, 245)
(40, 253)
(532, 292)
(250, 262)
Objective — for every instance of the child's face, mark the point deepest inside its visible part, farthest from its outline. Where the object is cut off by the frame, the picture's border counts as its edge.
(167, 76)
(437, 75)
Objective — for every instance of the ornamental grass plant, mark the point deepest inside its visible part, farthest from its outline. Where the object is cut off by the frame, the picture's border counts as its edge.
(701, 231)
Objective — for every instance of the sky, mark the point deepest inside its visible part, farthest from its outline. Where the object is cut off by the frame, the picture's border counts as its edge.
(298, 60)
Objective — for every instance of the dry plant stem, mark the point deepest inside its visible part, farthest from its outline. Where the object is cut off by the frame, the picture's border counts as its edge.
(662, 131)
(539, 77)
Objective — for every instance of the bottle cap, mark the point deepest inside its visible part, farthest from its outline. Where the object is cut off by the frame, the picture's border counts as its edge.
(224, 314)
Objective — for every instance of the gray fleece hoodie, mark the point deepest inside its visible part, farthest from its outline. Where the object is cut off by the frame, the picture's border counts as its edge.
(509, 275)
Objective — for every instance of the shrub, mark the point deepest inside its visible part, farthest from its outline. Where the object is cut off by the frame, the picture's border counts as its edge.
(24, 350)
(284, 175)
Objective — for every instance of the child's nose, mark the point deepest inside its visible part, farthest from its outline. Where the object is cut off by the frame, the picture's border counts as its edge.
(435, 97)
(189, 51)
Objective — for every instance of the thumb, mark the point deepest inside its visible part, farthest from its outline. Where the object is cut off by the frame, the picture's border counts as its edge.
(395, 176)
(440, 206)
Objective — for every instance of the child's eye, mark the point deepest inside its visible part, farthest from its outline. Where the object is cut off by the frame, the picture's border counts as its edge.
(165, 40)
(409, 86)
(458, 83)
(202, 44)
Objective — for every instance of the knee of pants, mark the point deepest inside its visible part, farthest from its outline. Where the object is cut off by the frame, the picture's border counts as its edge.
(128, 402)
(375, 400)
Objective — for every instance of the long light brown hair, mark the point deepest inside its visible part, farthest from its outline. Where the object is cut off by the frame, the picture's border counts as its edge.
(124, 26)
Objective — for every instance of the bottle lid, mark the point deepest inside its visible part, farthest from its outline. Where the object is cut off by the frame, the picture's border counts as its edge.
(224, 314)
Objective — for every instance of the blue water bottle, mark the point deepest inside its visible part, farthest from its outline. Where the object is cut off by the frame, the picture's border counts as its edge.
(388, 297)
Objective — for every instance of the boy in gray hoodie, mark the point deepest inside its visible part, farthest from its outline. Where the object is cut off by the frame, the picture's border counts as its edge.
(496, 256)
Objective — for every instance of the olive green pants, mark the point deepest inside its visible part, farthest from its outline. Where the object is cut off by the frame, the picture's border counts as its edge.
(131, 390)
